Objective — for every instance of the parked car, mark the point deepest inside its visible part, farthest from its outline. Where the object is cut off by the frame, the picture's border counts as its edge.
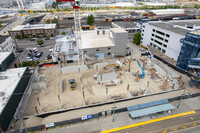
(51, 49)
(32, 39)
(49, 56)
(47, 38)
(19, 50)
(40, 45)
(141, 49)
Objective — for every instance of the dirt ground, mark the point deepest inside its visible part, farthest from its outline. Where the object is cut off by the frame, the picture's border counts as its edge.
(93, 93)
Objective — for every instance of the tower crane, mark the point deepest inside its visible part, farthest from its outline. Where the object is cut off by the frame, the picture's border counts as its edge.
(77, 26)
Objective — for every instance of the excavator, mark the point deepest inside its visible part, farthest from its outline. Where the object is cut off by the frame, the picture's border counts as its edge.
(140, 75)
(116, 67)
(72, 84)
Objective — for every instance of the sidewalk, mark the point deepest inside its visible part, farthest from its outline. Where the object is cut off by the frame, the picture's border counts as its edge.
(121, 119)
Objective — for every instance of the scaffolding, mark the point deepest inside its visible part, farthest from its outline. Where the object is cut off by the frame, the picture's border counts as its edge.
(189, 56)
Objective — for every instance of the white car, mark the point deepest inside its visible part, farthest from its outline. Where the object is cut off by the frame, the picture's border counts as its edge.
(51, 49)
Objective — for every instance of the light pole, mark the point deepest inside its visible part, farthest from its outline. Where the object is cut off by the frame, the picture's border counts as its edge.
(178, 106)
(113, 108)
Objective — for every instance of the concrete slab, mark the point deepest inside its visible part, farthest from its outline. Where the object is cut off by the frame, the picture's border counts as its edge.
(71, 69)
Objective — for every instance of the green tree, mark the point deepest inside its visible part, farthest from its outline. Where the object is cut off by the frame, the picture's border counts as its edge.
(47, 22)
(37, 35)
(54, 5)
(17, 36)
(90, 20)
(45, 35)
(0, 24)
(63, 33)
(40, 42)
(51, 35)
(137, 38)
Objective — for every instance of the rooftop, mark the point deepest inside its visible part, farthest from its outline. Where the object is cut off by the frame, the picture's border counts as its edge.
(180, 27)
(9, 84)
(3, 38)
(127, 24)
(118, 30)
(38, 26)
(197, 32)
(90, 39)
(4, 55)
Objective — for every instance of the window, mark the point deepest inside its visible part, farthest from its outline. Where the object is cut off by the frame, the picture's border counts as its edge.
(85, 51)
(109, 53)
(151, 44)
(154, 46)
(108, 48)
(159, 32)
(143, 26)
(154, 30)
(151, 39)
(97, 49)
(159, 48)
(142, 34)
(152, 34)
(165, 45)
(158, 42)
(167, 35)
(159, 37)
(166, 40)
(163, 51)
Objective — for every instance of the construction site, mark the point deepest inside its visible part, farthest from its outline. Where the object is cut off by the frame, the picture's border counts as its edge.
(70, 86)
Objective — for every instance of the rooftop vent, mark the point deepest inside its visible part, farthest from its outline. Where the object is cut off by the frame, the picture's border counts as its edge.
(3, 77)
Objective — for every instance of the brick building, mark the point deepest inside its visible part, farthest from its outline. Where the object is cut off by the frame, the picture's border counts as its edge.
(33, 30)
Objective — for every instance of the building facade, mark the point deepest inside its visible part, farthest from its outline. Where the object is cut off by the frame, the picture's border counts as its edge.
(166, 36)
(33, 30)
(7, 45)
(189, 56)
(8, 60)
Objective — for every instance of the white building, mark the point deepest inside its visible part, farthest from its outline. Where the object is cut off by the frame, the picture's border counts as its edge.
(7, 45)
(165, 36)
(98, 44)
(13, 85)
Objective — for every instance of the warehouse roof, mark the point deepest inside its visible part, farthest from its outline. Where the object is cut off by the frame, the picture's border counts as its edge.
(8, 81)
(38, 26)
(180, 27)
(127, 25)
(151, 110)
(4, 55)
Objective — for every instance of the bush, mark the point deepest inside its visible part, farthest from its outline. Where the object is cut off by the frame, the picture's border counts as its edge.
(30, 36)
(47, 22)
(90, 20)
(63, 33)
(17, 36)
(29, 63)
(0, 24)
(25, 36)
(51, 35)
(45, 35)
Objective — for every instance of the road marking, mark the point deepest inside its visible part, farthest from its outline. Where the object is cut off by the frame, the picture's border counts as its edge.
(34, 43)
(148, 122)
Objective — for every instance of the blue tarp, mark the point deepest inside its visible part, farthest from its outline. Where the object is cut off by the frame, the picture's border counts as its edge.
(145, 105)
(151, 110)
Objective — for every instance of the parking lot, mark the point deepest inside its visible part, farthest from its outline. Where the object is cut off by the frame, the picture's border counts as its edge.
(27, 45)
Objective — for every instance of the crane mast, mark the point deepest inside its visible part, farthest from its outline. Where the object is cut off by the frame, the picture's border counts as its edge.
(77, 27)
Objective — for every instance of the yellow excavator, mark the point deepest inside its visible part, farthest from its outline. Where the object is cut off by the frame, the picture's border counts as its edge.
(116, 67)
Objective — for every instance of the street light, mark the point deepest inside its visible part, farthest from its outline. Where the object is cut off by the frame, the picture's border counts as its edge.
(113, 108)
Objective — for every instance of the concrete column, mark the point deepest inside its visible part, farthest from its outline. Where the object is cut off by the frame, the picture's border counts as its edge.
(137, 76)
(59, 101)
(128, 87)
(38, 100)
(36, 110)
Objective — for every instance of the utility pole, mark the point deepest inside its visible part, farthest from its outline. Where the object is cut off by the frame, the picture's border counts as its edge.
(178, 106)
(113, 108)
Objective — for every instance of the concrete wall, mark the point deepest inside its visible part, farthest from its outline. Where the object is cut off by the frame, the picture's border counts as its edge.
(170, 48)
